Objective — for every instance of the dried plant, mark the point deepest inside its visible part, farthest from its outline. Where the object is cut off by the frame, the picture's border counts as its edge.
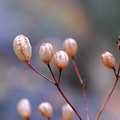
(23, 50)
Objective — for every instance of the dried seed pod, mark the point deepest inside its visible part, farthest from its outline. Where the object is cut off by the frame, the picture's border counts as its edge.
(24, 108)
(118, 42)
(45, 109)
(46, 52)
(67, 112)
(61, 59)
(70, 47)
(108, 60)
(22, 48)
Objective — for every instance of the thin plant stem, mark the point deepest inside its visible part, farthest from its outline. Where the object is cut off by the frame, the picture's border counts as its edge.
(29, 64)
(58, 87)
(56, 83)
(114, 71)
(83, 88)
(77, 71)
(59, 76)
(52, 72)
(113, 87)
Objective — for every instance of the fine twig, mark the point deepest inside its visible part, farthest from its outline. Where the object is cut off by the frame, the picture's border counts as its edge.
(59, 76)
(58, 87)
(52, 73)
(113, 87)
(29, 64)
(56, 83)
(82, 86)
(114, 71)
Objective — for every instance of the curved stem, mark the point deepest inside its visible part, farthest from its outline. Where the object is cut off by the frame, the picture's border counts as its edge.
(40, 73)
(59, 76)
(114, 85)
(83, 88)
(114, 71)
(57, 85)
(77, 71)
(52, 72)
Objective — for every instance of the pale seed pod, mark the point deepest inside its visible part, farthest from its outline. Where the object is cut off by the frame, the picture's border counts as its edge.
(67, 112)
(108, 60)
(24, 108)
(70, 47)
(61, 60)
(22, 48)
(46, 52)
(45, 109)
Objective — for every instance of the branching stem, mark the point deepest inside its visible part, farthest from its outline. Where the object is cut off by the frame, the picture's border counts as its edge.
(113, 87)
(56, 83)
(58, 87)
(29, 64)
(82, 86)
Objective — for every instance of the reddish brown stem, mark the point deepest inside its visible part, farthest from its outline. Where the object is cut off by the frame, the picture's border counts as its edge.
(57, 85)
(59, 76)
(83, 88)
(40, 73)
(57, 82)
(114, 85)
(52, 72)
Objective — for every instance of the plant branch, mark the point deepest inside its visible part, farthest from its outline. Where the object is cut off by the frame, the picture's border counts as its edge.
(114, 85)
(82, 86)
(52, 72)
(59, 76)
(56, 83)
(29, 64)
(58, 87)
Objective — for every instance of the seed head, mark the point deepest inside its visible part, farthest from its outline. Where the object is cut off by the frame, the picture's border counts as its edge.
(118, 42)
(22, 48)
(67, 112)
(70, 47)
(61, 59)
(108, 60)
(24, 108)
(45, 109)
(46, 52)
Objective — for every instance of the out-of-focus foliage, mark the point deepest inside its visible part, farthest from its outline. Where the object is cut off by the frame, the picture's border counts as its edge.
(94, 24)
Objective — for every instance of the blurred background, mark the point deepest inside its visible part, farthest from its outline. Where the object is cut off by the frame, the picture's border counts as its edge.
(94, 24)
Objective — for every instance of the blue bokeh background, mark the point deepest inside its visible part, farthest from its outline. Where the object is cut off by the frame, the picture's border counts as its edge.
(94, 24)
